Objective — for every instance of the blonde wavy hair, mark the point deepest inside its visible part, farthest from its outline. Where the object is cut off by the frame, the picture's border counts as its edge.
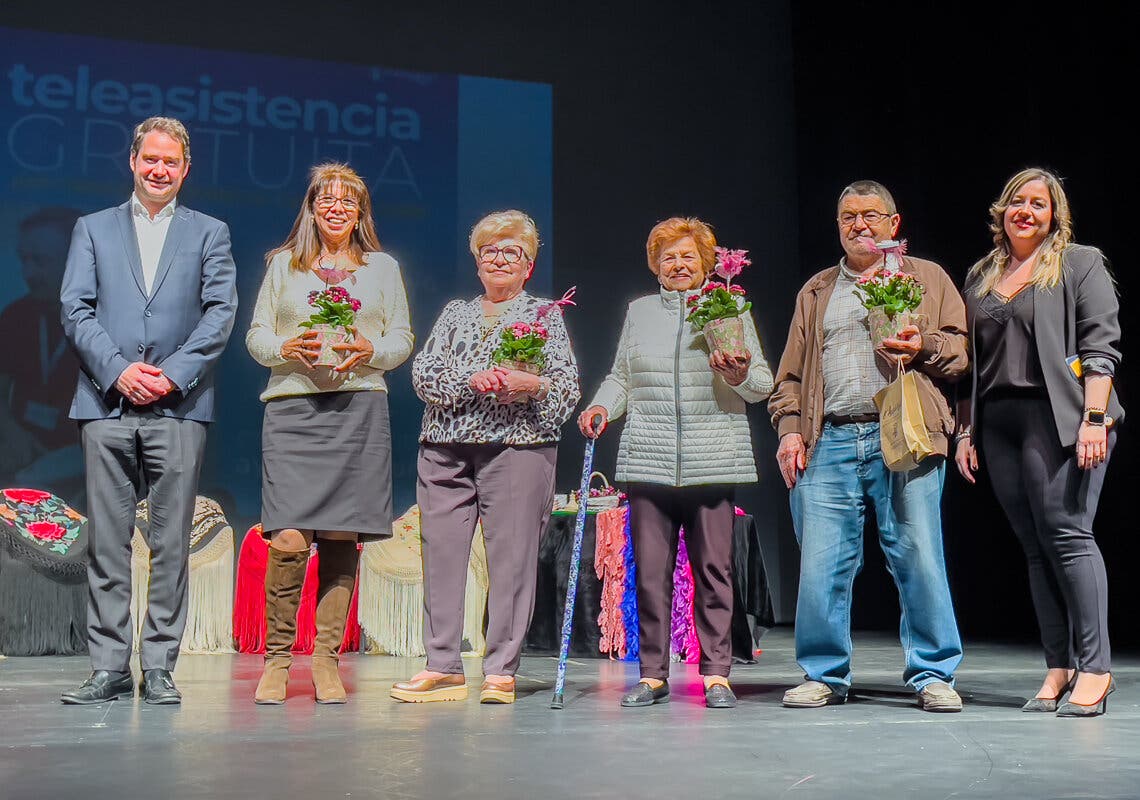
(1047, 270)
(509, 224)
(667, 231)
(304, 240)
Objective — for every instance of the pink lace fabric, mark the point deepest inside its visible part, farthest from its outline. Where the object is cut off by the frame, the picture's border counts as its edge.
(683, 639)
(609, 564)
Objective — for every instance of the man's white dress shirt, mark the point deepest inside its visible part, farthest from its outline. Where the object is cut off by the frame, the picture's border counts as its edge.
(151, 235)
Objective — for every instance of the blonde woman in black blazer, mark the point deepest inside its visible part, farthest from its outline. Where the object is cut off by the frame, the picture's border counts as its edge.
(1045, 335)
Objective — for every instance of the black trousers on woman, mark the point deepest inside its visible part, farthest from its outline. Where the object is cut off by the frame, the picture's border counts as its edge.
(1051, 503)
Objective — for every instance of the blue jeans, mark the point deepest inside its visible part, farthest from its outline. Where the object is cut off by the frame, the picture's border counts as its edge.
(829, 502)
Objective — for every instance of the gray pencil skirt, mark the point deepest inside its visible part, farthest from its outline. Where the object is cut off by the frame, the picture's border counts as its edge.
(326, 464)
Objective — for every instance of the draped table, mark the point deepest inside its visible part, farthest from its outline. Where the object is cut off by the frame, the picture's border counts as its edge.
(605, 612)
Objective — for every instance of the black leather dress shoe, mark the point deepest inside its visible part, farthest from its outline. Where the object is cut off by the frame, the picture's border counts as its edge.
(644, 695)
(158, 688)
(100, 687)
(719, 696)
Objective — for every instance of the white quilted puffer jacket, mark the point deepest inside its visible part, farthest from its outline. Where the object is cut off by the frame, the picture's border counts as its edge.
(686, 425)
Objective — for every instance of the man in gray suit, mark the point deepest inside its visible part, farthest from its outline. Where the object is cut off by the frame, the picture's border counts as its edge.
(148, 304)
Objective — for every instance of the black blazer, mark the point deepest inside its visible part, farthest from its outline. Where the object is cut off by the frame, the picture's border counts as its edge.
(1077, 317)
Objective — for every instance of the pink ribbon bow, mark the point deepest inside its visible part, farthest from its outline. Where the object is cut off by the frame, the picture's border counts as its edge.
(564, 300)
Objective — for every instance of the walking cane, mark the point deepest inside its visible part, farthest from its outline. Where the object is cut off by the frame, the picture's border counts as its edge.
(575, 559)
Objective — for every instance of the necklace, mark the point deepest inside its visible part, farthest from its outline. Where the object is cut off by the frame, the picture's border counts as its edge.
(491, 318)
(333, 275)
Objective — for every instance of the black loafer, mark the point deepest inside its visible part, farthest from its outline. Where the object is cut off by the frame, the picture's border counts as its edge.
(99, 688)
(158, 688)
(645, 695)
(719, 696)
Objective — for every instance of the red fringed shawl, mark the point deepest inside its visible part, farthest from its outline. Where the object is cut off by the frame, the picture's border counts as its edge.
(249, 602)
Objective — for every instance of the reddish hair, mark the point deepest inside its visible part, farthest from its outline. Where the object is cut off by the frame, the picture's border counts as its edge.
(667, 231)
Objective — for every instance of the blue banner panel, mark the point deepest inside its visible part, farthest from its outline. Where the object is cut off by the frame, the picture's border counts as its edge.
(437, 151)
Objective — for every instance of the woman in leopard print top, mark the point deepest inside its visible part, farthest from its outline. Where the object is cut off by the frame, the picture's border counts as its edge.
(488, 449)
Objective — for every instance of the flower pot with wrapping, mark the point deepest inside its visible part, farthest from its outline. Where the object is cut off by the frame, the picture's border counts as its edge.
(883, 325)
(521, 366)
(328, 335)
(726, 335)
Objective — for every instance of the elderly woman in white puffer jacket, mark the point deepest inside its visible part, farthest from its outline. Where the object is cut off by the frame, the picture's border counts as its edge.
(685, 446)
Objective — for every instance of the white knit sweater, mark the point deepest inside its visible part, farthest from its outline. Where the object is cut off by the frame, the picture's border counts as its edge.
(687, 425)
(283, 304)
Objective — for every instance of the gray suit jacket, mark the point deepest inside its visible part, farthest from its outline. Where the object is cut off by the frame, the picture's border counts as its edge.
(1078, 317)
(182, 327)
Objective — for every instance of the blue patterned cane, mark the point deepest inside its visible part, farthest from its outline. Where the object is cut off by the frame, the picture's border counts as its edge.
(575, 560)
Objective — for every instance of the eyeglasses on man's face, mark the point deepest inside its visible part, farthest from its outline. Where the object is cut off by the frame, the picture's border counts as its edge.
(870, 217)
(512, 253)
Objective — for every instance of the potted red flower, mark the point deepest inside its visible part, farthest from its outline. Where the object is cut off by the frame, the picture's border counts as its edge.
(336, 312)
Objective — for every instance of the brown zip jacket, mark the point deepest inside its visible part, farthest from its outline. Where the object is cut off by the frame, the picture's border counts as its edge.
(796, 405)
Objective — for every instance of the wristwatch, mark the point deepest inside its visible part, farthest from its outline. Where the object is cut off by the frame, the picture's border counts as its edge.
(544, 385)
(1095, 416)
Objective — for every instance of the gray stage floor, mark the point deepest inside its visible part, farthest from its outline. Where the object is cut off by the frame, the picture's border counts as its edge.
(218, 744)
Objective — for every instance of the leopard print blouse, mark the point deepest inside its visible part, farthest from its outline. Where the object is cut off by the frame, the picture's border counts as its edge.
(458, 347)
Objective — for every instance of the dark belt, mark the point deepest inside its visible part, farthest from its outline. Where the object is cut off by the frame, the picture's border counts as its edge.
(850, 419)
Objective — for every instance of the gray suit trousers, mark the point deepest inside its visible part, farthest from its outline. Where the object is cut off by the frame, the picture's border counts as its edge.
(139, 455)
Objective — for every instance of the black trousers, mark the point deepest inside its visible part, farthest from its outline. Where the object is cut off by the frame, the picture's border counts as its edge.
(1051, 503)
(657, 514)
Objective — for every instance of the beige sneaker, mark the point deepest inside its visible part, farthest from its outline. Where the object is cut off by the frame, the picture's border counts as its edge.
(812, 694)
(939, 696)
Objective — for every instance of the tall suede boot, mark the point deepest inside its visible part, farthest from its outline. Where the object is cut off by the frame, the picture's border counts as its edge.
(336, 566)
(284, 577)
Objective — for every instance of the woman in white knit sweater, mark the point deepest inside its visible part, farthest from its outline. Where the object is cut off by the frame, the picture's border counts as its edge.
(326, 439)
(685, 446)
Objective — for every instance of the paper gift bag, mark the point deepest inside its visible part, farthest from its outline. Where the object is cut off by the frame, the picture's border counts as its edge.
(903, 435)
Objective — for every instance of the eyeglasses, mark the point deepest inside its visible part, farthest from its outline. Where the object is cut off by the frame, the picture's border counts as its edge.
(327, 201)
(847, 218)
(512, 253)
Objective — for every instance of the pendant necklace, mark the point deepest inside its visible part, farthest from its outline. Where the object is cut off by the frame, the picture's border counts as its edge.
(332, 275)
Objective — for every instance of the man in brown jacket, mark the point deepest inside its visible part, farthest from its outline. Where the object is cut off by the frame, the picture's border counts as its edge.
(830, 458)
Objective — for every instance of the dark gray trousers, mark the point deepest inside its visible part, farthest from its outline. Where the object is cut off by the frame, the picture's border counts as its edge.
(656, 514)
(511, 489)
(139, 455)
(1051, 504)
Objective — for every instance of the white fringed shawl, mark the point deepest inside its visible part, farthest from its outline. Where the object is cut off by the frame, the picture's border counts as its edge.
(391, 603)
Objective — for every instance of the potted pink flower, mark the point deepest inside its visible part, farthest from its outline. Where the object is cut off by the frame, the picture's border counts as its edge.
(521, 345)
(890, 295)
(336, 312)
(717, 309)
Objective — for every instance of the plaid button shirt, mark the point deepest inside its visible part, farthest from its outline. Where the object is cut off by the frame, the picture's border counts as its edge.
(851, 372)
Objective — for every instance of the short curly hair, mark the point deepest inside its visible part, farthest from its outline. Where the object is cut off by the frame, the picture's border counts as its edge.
(670, 230)
(168, 125)
(502, 224)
